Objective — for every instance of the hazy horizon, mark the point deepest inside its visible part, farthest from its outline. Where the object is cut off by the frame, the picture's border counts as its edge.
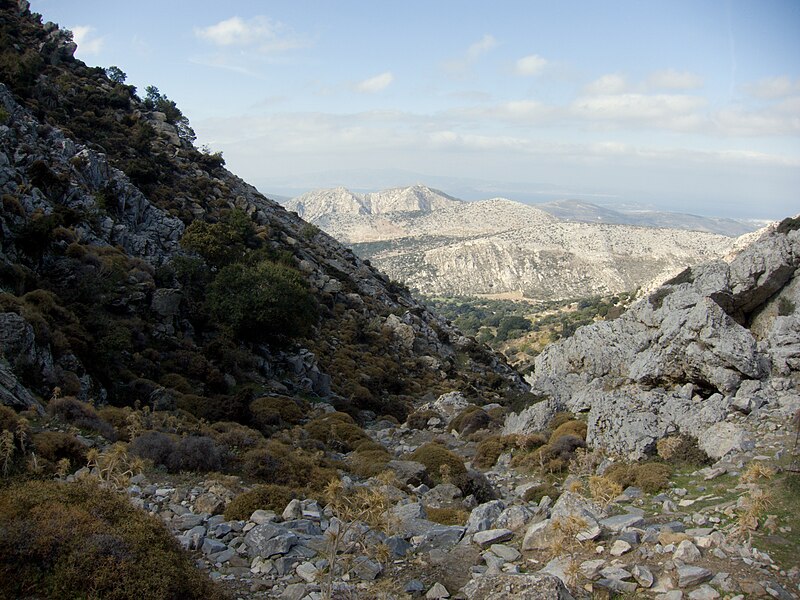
(681, 105)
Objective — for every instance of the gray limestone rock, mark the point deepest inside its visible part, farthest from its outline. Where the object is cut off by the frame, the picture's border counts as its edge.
(492, 536)
(442, 496)
(686, 552)
(408, 472)
(643, 576)
(437, 591)
(639, 375)
(268, 540)
(619, 523)
(439, 537)
(689, 576)
(512, 586)
(484, 516)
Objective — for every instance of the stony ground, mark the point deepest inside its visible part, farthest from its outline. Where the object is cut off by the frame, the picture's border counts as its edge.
(680, 543)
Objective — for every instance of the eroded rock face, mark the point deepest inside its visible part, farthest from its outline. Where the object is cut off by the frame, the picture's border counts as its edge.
(677, 358)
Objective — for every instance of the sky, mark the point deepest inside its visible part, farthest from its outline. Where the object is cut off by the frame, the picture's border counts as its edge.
(685, 105)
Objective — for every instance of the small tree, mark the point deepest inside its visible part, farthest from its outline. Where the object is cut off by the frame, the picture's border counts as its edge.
(115, 74)
(263, 301)
(155, 100)
(220, 243)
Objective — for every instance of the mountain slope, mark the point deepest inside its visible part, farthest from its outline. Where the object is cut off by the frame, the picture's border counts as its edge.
(499, 246)
(130, 259)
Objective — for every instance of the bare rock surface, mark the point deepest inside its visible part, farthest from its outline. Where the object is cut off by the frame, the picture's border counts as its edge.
(675, 361)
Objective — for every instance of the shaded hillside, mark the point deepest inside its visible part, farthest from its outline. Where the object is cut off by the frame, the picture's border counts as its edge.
(136, 269)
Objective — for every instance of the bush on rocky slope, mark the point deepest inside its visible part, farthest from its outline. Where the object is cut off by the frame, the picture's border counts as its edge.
(81, 540)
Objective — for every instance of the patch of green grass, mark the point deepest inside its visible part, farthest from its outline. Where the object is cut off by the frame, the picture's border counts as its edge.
(783, 547)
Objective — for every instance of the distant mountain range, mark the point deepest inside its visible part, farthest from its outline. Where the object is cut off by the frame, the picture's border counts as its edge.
(441, 245)
(579, 211)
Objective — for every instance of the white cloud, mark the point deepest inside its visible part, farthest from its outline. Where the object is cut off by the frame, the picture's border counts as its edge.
(530, 65)
(607, 84)
(526, 111)
(767, 122)
(260, 32)
(482, 46)
(88, 43)
(475, 51)
(452, 140)
(663, 111)
(670, 79)
(773, 88)
(375, 84)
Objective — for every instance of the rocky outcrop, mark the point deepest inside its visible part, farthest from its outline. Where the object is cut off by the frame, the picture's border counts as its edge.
(138, 226)
(676, 360)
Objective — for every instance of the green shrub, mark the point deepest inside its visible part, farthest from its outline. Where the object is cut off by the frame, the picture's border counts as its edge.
(368, 461)
(447, 516)
(470, 420)
(281, 464)
(269, 413)
(338, 431)
(85, 541)
(262, 497)
(8, 419)
(118, 418)
(219, 408)
(420, 418)
(441, 464)
(71, 410)
(537, 492)
(195, 453)
(220, 243)
(154, 446)
(235, 437)
(575, 427)
(490, 449)
(53, 446)
(264, 301)
(559, 419)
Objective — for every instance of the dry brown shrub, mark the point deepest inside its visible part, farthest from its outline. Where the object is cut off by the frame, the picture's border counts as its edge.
(603, 489)
(447, 516)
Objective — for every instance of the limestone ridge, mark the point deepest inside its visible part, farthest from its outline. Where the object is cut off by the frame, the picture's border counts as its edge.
(98, 190)
(439, 245)
(715, 339)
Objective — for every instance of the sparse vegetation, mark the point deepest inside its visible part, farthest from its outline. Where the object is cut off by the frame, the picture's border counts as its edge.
(519, 328)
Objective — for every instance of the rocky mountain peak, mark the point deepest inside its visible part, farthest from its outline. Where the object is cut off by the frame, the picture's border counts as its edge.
(443, 246)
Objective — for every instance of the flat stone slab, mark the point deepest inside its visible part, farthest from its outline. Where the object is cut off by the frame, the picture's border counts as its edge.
(689, 576)
(492, 536)
(618, 523)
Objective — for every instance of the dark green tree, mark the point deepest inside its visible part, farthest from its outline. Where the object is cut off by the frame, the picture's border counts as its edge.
(263, 301)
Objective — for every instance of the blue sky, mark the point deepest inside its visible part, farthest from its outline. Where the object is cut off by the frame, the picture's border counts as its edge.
(678, 105)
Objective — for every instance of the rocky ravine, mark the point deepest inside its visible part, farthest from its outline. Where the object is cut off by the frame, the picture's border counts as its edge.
(677, 544)
(713, 354)
(440, 245)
